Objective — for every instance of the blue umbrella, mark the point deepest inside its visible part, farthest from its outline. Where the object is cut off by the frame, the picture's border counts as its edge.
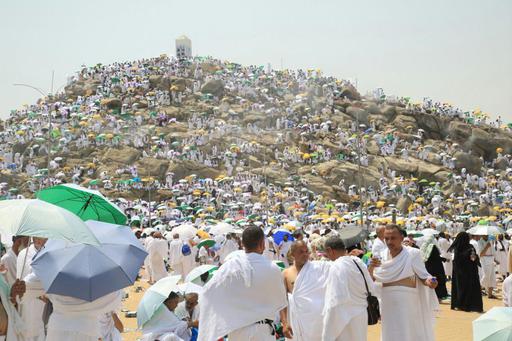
(89, 272)
(279, 234)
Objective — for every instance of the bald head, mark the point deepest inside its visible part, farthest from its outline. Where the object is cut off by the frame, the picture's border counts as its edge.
(380, 231)
(300, 253)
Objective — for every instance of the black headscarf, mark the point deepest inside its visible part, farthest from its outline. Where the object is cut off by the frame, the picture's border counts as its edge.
(460, 243)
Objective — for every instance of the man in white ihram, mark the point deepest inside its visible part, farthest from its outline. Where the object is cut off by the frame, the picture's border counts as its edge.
(305, 284)
(244, 296)
(176, 255)
(227, 248)
(379, 245)
(31, 308)
(157, 250)
(345, 314)
(408, 301)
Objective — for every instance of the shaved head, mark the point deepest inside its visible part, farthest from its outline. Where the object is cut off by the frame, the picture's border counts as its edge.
(300, 253)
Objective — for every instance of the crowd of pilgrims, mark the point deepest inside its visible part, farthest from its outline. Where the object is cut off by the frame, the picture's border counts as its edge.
(473, 264)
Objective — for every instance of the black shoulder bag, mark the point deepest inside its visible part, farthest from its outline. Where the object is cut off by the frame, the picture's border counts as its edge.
(373, 303)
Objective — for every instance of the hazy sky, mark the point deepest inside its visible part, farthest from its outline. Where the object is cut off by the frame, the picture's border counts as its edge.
(459, 51)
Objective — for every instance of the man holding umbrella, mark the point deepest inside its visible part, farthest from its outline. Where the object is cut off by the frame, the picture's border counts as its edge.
(31, 305)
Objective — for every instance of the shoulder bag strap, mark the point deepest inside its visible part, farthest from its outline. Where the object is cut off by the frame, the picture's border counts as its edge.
(364, 278)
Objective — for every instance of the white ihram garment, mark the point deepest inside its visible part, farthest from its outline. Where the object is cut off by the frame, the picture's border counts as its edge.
(488, 279)
(306, 301)
(164, 324)
(157, 250)
(247, 289)
(31, 307)
(444, 244)
(176, 256)
(345, 315)
(74, 319)
(9, 260)
(406, 313)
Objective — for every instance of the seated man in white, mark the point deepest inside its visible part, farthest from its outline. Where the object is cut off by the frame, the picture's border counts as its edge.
(165, 325)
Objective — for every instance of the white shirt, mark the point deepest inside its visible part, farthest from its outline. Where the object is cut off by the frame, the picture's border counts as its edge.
(9, 260)
(507, 291)
(378, 246)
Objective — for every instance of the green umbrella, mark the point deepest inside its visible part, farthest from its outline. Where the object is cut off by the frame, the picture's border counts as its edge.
(414, 233)
(280, 264)
(36, 218)
(196, 273)
(85, 203)
(206, 242)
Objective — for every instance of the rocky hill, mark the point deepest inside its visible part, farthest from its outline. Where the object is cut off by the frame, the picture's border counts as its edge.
(170, 119)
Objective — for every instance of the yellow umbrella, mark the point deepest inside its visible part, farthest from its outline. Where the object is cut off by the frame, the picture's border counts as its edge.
(380, 204)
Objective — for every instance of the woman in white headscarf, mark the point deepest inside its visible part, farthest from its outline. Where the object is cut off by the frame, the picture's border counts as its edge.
(434, 264)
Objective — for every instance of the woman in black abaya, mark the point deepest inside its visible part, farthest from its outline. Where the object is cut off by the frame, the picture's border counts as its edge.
(466, 293)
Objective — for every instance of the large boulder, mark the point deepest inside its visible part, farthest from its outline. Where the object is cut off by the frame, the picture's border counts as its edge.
(177, 84)
(459, 130)
(125, 156)
(401, 166)
(388, 111)
(111, 103)
(358, 114)
(427, 170)
(150, 167)
(81, 88)
(405, 123)
(434, 126)
(185, 168)
(214, 87)
(486, 141)
(350, 92)
(465, 160)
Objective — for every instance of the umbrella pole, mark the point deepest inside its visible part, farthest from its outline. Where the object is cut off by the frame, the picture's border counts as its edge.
(30, 241)
(18, 299)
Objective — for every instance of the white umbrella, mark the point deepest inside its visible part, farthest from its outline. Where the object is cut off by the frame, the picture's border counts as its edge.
(429, 232)
(485, 230)
(155, 297)
(222, 228)
(186, 231)
(37, 218)
(188, 288)
(197, 272)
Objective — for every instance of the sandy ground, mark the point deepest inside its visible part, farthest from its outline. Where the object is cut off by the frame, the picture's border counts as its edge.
(451, 325)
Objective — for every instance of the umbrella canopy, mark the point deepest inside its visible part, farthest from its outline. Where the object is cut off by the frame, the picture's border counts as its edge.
(222, 228)
(85, 203)
(279, 234)
(414, 233)
(89, 272)
(495, 325)
(485, 230)
(188, 288)
(429, 232)
(196, 273)
(36, 218)
(206, 242)
(352, 235)
(154, 297)
(280, 264)
(186, 231)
